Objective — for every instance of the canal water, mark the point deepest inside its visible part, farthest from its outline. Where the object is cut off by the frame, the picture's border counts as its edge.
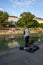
(10, 41)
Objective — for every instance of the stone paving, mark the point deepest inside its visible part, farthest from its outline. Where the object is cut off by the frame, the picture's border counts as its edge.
(16, 57)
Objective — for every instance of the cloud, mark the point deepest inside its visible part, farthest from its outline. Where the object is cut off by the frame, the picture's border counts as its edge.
(19, 6)
(12, 12)
(1, 9)
(22, 2)
(10, 0)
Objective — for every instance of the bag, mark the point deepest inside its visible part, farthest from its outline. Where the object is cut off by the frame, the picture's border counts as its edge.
(32, 48)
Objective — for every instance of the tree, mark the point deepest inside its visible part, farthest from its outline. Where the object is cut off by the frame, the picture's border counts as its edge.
(3, 17)
(1, 12)
(35, 23)
(26, 19)
(41, 25)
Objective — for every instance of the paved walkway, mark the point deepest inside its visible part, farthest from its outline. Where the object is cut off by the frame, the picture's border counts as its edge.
(16, 57)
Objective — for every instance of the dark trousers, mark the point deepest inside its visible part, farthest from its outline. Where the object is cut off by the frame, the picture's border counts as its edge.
(27, 41)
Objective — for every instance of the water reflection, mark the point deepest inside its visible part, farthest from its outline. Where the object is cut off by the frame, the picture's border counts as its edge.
(37, 38)
(8, 41)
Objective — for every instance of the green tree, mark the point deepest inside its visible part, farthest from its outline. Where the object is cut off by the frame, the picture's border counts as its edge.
(3, 17)
(41, 25)
(26, 19)
(35, 23)
(1, 12)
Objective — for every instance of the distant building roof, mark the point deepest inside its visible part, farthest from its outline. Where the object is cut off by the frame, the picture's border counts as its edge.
(13, 16)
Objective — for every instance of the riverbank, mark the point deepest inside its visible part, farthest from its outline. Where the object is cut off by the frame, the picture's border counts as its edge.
(20, 31)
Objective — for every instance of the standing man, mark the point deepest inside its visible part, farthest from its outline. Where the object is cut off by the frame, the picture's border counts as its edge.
(26, 36)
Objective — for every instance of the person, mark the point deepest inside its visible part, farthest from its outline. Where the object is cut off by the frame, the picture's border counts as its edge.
(26, 36)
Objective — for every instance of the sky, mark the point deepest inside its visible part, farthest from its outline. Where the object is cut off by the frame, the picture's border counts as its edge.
(16, 7)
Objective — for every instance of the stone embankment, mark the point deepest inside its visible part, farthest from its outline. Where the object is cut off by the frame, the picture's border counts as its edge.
(32, 31)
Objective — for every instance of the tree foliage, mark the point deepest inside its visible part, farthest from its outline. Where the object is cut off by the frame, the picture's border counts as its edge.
(3, 17)
(41, 25)
(26, 19)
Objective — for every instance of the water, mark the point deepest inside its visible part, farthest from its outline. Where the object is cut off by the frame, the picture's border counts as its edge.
(9, 41)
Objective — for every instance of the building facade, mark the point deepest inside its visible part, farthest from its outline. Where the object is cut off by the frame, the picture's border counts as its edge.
(40, 20)
(13, 19)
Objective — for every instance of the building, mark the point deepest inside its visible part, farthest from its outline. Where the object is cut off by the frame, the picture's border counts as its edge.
(40, 20)
(13, 18)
